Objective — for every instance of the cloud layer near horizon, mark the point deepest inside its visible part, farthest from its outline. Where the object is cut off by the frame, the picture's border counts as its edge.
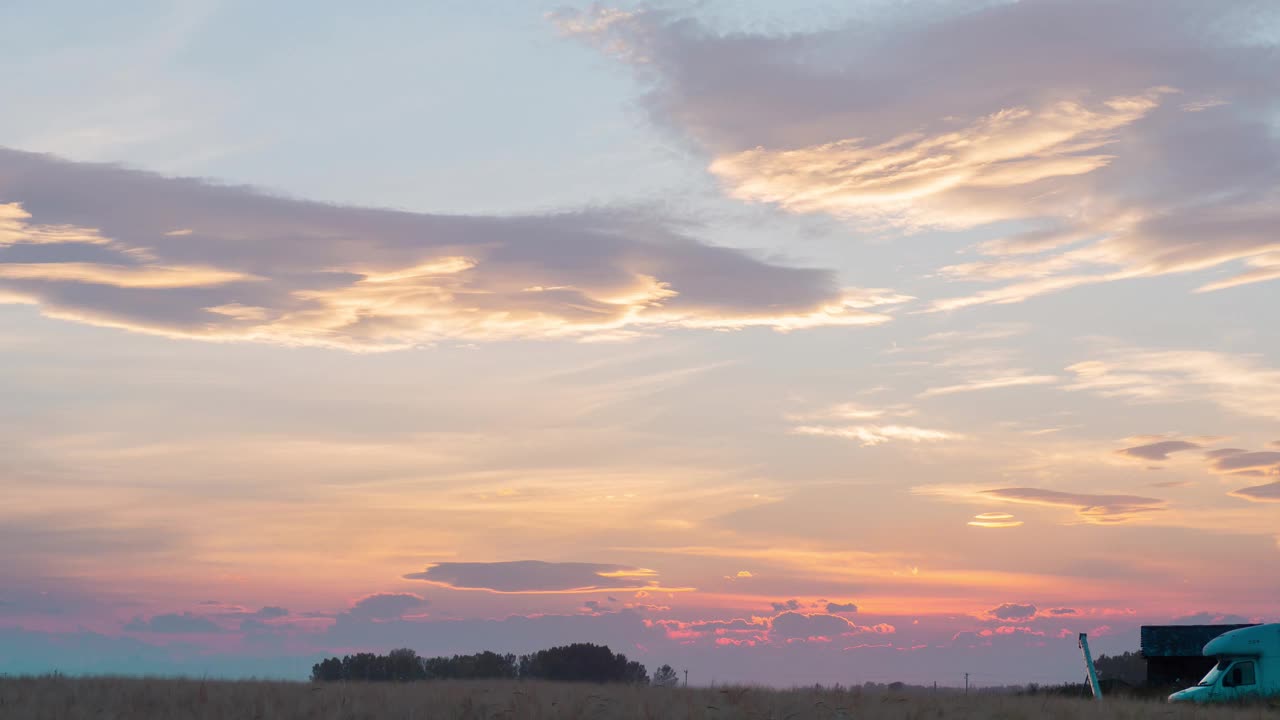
(190, 258)
(536, 576)
(1106, 160)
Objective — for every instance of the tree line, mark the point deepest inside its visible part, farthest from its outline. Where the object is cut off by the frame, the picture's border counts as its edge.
(579, 662)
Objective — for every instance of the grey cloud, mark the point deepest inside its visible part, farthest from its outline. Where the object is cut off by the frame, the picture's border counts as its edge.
(1063, 611)
(1211, 618)
(189, 258)
(1094, 507)
(794, 625)
(1260, 493)
(1014, 611)
(1223, 452)
(534, 576)
(1128, 160)
(384, 606)
(1267, 462)
(1158, 450)
(792, 604)
(833, 608)
(270, 612)
(173, 623)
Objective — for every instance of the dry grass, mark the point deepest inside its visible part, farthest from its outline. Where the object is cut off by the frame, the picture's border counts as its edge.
(58, 698)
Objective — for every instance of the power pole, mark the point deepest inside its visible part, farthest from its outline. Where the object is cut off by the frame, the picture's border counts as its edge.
(966, 683)
(686, 677)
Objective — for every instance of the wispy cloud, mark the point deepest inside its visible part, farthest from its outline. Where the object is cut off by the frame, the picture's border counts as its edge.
(876, 434)
(1097, 508)
(536, 576)
(931, 179)
(1238, 383)
(1126, 162)
(1158, 450)
(991, 383)
(187, 258)
(995, 520)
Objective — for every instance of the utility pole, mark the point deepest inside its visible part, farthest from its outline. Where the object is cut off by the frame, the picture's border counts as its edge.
(966, 683)
(686, 677)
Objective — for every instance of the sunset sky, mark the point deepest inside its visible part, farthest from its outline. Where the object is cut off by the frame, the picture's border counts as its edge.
(786, 342)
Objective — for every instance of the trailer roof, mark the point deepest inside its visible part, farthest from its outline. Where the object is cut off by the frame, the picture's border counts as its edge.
(1181, 640)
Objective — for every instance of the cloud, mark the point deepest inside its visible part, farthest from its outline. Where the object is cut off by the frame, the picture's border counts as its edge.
(1013, 611)
(991, 383)
(1211, 618)
(876, 434)
(188, 258)
(1119, 161)
(923, 178)
(800, 626)
(833, 608)
(792, 604)
(535, 576)
(271, 612)
(384, 606)
(1266, 462)
(1260, 493)
(1158, 450)
(995, 520)
(172, 623)
(1237, 383)
(1063, 611)
(1096, 508)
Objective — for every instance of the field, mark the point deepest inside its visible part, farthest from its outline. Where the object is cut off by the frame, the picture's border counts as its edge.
(59, 698)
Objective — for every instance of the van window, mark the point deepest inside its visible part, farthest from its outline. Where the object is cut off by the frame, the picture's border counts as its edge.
(1247, 675)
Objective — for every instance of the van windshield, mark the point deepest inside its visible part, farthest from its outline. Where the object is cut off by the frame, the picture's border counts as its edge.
(1213, 675)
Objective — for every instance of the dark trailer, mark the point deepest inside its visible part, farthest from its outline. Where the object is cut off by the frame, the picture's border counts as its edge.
(1174, 653)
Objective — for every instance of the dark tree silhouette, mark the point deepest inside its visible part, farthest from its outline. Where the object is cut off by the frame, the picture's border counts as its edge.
(1129, 667)
(572, 663)
(582, 662)
(481, 666)
(665, 676)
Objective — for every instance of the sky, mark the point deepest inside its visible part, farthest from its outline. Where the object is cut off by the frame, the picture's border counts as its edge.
(788, 343)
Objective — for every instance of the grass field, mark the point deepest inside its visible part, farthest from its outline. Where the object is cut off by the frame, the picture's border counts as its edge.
(59, 698)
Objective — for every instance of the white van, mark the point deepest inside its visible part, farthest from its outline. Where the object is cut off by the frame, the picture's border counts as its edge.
(1248, 666)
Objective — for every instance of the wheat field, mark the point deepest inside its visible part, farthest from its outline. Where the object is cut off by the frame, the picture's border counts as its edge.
(61, 698)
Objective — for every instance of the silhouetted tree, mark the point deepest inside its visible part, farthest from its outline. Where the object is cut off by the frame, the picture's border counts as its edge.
(329, 670)
(582, 662)
(481, 666)
(1129, 667)
(404, 665)
(665, 676)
